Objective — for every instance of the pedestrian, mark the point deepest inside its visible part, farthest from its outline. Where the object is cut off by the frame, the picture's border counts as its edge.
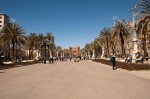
(113, 61)
(129, 59)
(42, 60)
(52, 59)
(70, 58)
(84, 57)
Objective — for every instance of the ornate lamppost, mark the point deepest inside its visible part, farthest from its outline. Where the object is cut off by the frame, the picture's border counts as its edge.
(134, 36)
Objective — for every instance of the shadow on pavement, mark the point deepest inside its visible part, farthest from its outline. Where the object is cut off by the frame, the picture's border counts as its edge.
(15, 65)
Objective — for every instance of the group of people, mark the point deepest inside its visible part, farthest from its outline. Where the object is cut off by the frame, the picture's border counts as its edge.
(128, 59)
(52, 59)
(80, 58)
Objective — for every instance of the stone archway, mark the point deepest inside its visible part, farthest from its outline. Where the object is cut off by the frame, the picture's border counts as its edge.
(74, 51)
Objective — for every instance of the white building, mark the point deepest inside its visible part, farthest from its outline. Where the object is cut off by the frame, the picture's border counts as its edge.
(4, 20)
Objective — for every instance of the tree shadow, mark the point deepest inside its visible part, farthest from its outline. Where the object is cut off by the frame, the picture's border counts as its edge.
(2, 71)
(16, 65)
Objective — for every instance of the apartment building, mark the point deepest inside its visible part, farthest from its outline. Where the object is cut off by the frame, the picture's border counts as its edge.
(4, 20)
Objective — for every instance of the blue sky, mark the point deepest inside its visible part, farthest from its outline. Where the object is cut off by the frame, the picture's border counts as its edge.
(73, 22)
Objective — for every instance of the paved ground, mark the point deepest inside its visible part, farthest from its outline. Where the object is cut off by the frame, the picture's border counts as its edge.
(70, 80)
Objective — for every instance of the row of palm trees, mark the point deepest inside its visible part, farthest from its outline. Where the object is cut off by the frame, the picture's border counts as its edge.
(118, 39)
(14, 42)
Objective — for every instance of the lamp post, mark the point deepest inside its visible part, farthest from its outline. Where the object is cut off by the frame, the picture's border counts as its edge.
(134, 37)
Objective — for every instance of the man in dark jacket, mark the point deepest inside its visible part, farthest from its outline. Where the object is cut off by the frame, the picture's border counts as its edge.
(113, 61)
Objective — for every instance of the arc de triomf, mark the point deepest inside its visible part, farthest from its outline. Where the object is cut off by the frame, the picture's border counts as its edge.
(74, 51)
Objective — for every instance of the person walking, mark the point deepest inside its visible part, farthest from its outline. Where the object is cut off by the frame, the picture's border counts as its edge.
(113, 61)
(70, 58)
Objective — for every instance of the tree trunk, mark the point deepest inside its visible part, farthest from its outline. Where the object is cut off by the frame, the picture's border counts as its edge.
(122, 44)
(113, 50)
(107, 48)
(9, 52)
(13, 53)
(144, 48)
(16, 52)
(29, 52)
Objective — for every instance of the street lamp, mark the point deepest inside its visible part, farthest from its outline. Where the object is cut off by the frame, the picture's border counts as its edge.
(134, 37)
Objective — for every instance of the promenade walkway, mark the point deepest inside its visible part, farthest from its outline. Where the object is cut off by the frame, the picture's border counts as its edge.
(71, 80)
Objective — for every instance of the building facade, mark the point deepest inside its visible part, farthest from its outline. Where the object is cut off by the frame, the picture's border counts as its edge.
(4, 20)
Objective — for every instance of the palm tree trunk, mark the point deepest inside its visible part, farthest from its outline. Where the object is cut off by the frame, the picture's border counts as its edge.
(13, 53)
(107, 48)
(113, 50)
(16, 52)
(30, 53)
(122, 44)
(41, 52)
(9, 52)
(144, 47)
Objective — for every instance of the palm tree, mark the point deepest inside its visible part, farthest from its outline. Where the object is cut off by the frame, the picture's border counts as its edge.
(112, 44)
(32, 38)
(121, 31)
(106, 34)
(14, 35)
(97, 47)
(102, 42)
(144, 7)
(66, 52)
(88, 49)
(83, 52)
(58, 50)
(40, 39)
(143, 29)
(51, 39)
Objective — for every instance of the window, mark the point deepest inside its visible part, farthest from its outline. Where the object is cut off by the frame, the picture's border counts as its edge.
(0, 17)
(0, 21)
(0, 25)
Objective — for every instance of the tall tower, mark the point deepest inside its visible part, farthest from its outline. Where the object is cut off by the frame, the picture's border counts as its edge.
(4, 20)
